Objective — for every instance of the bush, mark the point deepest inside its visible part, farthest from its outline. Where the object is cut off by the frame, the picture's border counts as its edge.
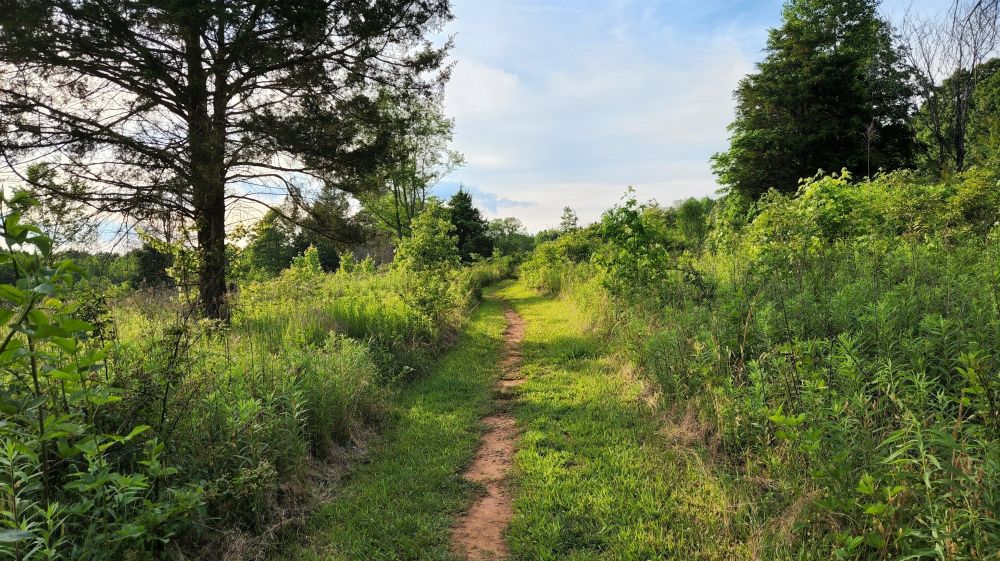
(841, 343)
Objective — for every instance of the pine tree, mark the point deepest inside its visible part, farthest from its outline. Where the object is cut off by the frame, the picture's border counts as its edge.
(569, 221)
(190, 107)
(832, 93)
(470, 227)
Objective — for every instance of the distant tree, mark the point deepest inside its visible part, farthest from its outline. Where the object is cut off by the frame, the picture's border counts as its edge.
(830, 77)
(151, 266)
(272, 246)
(191, 107)
(509, 236)
(984, 127)
(569, 221)
(470, 227)
(547, 236)
(957, 125)
(692, 221)
(950, 56)
(419, 158)
(328, 225)
(432, 245)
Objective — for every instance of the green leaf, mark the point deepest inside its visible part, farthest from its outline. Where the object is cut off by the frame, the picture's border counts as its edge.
(876, 509)
(13, 536)
(67, 344)
(46, 288)
(12, 294)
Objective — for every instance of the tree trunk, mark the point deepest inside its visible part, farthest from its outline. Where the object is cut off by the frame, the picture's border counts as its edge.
(206, 143)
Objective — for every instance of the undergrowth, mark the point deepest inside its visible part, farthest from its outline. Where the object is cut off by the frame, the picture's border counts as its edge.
(833, 352)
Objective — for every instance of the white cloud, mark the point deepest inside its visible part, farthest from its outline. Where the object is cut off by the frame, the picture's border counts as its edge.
(619, 100)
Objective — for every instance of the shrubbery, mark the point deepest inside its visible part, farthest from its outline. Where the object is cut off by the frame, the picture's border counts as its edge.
(144, 428)
(838, 344)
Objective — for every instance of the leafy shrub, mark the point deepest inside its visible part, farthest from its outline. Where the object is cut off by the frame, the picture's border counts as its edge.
(841, 342)
(72, 485)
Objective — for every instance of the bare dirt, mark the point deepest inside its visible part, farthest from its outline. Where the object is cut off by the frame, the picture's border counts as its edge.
(478, 533)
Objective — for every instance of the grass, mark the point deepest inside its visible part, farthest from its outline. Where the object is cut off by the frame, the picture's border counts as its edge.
(595, 477)
(400, 504)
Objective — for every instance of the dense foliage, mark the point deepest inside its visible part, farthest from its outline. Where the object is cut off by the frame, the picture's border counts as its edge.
(471, 229)
(831, 93)
(131, 428)
(832, 351)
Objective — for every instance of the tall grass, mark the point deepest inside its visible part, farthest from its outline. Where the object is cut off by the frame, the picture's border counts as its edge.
(230, 431)
(839, 349)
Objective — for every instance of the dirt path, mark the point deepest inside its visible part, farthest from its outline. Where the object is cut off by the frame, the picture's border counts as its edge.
(478, 533)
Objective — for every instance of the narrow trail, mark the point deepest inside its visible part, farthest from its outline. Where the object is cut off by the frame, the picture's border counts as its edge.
(479, 532)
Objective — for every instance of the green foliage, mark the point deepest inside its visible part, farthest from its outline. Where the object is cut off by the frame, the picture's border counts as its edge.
(509, 236)
(433, 245)
(420, 158)
(129, 425)
(831, 93)
(836, 343)
(473, 239)
(71, 485)
(151, 265)
(959, 126)
(569, 221)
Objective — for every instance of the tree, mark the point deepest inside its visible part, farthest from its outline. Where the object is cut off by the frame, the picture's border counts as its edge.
(419, 158)
(328, 226)
(433, 245)
(193, 107)
(151, 267)
(831, 92)
(66, 222)
(569, 221)
(956, 133)
(509, 236)
(272, 246)
(470, 227)
(949, 56)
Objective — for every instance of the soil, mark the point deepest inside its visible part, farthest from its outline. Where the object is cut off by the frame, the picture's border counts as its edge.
(479, 533)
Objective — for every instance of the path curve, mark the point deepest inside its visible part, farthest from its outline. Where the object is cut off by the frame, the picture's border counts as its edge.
(478, 534)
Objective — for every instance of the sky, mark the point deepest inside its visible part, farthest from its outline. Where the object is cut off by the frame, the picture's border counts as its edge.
(570, 102)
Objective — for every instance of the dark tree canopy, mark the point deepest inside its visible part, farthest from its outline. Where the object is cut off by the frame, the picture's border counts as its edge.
(471, 228)
(196, 107)
(831, 93)
(959, 125)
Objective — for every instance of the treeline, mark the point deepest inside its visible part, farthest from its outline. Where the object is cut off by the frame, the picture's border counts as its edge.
(840, 88)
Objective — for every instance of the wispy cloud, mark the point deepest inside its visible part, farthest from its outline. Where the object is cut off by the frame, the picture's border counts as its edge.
(485, 200)
(569, 102)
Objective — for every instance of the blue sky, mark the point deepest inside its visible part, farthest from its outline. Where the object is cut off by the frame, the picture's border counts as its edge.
(569, 102)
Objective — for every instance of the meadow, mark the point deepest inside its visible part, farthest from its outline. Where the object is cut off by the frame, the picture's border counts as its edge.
(829, 354)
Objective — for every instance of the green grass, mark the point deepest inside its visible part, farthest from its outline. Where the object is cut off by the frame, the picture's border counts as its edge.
(595, 478)
(400, 504)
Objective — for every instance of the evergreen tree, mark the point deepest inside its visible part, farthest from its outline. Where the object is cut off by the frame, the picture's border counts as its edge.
(164, 107)
(470, 227)
(151, 267)
(832, 93)
(569, 221)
